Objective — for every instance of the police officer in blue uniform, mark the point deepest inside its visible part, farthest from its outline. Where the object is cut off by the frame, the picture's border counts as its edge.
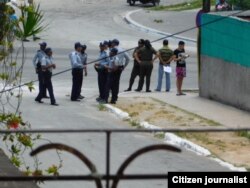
(37, 60)
(102, 72)
(77, 72)
(111, 79)
(84, 57)
(123, 62)
(47, 66)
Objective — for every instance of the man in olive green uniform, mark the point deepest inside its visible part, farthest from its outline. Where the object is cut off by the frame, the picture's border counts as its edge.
(146, 57)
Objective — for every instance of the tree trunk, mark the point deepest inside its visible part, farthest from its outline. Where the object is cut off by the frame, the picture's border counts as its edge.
(206, 5)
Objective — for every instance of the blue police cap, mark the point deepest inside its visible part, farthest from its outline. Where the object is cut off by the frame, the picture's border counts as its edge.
(77, 45)
(43, 44)
(106, 43)
(114, 50)
(84, 46)
(115, 41)
(47, 50)
(101, 44)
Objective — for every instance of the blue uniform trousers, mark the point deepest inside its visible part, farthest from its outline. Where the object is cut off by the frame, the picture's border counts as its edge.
(117, 76)
(77, 76)
(46, 84)
(40, 80)
(113, 83)
(102, 81)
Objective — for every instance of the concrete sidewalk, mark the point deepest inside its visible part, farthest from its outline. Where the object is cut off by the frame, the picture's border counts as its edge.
(227, 116)
(8, 169)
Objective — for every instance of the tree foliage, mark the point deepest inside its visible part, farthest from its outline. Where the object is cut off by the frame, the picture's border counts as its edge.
(242, 4)
(12, 60)
(31, 21)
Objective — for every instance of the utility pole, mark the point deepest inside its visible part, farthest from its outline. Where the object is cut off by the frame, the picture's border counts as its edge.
(206, 6)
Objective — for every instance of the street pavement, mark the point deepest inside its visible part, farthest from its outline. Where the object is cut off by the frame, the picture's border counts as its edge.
(91, 22)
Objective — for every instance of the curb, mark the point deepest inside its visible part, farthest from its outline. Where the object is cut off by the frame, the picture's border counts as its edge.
(143, 28)
(175, 140)
(122, 115)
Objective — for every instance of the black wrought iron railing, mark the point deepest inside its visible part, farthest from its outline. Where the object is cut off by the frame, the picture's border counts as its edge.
(111, 180)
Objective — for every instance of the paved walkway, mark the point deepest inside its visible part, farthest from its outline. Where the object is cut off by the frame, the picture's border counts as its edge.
(226, 115)
(7, 169)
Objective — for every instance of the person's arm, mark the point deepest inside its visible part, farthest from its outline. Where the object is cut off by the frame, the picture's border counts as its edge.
(127, 59)
(137, 57)
(105, 60)
(72, 57)
(171, 59)
(76, 60)
(47, 66)
(50, 65)
(156, 55)
(44, 63)
(35, 60)
(109, 65)
(108, 60)
(134, 53)
(176, 58)
(85, 67)
(97, 63)
(160, 58)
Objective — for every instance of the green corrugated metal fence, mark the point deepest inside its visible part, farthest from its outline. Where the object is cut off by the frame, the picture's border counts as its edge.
(227, 39)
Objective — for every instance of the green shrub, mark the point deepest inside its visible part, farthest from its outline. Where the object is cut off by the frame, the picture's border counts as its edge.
(242, 4)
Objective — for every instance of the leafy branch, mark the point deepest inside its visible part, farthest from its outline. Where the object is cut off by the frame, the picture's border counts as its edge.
(17, 145)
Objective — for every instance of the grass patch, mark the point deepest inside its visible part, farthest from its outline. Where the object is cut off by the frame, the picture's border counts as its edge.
(202, 137)
(148, 119)
(205, 120)
(158, 20)
(189, 5)
(160, 135)
(102, 107)
(133, 114)
(134, 123)
(245, 134)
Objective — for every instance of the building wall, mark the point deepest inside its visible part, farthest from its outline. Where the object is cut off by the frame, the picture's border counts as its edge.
(225, 60)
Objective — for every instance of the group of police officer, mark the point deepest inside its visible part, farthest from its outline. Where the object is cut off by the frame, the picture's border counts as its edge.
(112, 61)
(43, 63)
(109, 67)
(78, 59)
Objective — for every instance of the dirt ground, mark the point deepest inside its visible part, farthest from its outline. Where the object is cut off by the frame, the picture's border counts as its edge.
(229, 147)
